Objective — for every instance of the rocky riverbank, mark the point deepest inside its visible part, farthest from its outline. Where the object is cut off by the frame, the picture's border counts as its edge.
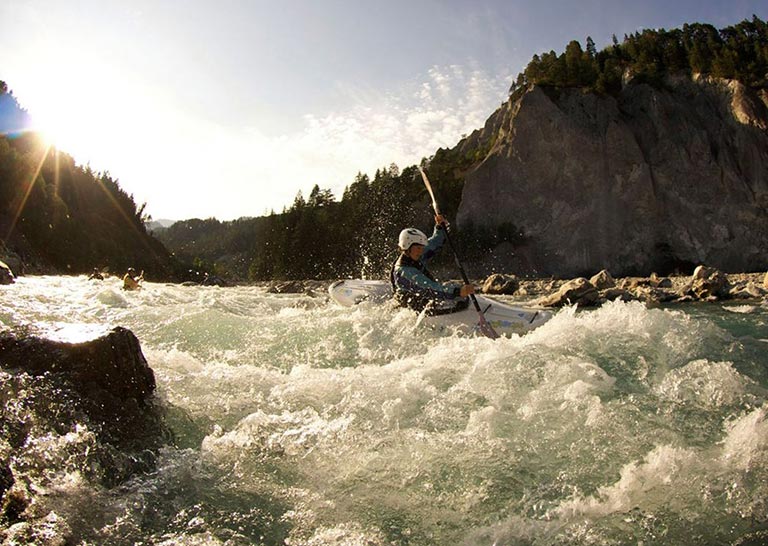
(705, 285)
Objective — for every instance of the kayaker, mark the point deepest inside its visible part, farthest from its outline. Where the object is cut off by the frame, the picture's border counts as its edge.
(412, 283)
(131, 281)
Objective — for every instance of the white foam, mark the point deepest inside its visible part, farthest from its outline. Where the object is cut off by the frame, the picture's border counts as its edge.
(706, 384)
(746, 443)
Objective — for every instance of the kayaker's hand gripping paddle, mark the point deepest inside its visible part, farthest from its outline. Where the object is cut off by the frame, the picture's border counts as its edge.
(485, 326)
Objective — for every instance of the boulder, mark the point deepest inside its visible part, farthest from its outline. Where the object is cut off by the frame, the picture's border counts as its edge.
(577, 291)
(501, 284)
(708, 283)
(615, 293)
(653, 296)
(103, 384)
(107, 379)
(6, 275)
(765, 281)
(747, 291)
(112, 365)
(603, 280)
(660, 282)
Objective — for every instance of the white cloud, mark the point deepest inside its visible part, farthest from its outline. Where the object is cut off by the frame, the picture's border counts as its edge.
(248, 173)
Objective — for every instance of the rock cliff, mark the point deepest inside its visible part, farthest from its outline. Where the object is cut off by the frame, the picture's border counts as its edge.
(649, 180)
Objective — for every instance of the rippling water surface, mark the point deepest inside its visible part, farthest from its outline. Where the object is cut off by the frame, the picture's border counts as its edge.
(301, 422)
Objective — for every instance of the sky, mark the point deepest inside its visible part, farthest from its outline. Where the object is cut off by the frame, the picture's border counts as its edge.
(227, 109)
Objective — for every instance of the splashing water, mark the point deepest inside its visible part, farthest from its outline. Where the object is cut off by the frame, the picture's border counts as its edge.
(300, 422)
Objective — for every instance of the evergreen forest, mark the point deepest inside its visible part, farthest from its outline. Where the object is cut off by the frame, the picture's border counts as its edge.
(738, 52)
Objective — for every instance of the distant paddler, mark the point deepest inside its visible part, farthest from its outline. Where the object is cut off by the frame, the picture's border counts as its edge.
(131, 281)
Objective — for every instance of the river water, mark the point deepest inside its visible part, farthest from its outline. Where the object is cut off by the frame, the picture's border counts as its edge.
(300, 422)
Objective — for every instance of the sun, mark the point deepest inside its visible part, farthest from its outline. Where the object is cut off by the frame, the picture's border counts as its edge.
(82, 122)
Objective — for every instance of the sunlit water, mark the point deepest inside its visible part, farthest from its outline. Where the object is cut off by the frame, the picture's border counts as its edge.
(301, 422)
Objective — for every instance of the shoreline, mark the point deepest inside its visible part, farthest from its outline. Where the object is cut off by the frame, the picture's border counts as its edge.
(705, 285)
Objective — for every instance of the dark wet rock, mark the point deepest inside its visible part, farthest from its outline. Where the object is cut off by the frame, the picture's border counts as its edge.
(214, 280)
(104, 384)
(603, 280)
(111, 368)
(6, 275)
(11, 259)
(577, 291)
(501, 284)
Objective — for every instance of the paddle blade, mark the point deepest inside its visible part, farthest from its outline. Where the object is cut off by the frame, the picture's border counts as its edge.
(483, 325)
(429, 189)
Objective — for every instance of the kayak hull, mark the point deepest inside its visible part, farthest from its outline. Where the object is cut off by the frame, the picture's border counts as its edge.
(504, 318)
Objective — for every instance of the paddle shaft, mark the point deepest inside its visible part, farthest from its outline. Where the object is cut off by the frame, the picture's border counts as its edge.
(485, 326)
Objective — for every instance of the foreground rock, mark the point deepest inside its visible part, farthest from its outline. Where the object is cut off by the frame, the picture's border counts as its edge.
(110, 370)
(90, 403)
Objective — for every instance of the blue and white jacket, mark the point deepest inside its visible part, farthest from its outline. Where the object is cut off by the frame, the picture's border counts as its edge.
(415, 287)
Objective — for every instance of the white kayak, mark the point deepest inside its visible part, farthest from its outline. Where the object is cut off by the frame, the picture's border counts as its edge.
(505, 319)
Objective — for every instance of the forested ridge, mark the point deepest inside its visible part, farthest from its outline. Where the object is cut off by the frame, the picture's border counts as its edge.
(738, 52)
(60, 217)
(77, 219)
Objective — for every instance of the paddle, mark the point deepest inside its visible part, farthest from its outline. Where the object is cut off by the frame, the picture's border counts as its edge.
(485, 326)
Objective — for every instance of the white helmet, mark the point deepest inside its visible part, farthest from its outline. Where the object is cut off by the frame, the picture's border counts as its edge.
(411, 236)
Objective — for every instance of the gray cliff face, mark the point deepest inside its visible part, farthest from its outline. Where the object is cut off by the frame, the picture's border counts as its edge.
(652, 180)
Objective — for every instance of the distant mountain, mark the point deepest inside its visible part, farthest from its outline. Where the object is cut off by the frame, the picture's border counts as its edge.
(156, 225)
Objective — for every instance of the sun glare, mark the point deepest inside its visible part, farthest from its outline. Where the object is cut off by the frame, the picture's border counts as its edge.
(93, 118)
(84, 123)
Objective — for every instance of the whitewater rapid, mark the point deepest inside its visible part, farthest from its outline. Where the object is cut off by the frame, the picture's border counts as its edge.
(301, 422)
